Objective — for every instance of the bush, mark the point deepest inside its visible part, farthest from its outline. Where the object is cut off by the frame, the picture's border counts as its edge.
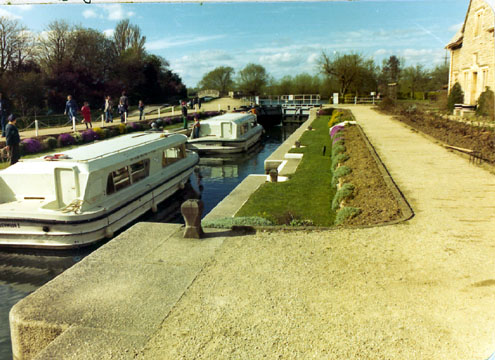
(344, 192)
(32, 146)
(78, 137)
(387, 104)
(340, 172)
(227, 223)
(50, 143)
(335, 118)
(122, 128)
(327, 111)
(335, 129)
(99, 131)
(65, 140)
(89, 136)
(346, 212)
(338, 159)
(337, 149)
(456, 96)
(485, 104)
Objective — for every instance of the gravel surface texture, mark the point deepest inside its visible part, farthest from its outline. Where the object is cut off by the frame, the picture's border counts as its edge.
(421, 289)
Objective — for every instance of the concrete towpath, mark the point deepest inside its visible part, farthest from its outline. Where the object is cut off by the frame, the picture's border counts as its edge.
(421, 289)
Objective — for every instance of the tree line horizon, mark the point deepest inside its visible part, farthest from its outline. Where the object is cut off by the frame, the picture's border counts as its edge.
(38, 71)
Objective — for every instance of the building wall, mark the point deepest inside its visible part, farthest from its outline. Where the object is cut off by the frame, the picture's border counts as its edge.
(473, 65)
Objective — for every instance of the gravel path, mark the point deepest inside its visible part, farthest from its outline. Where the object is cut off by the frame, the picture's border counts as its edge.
(423, 289)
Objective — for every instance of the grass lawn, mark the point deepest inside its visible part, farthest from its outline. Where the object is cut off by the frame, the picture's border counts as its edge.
(308, 194)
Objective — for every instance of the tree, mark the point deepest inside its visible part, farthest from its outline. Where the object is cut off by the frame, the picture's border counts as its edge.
(415, 78)
(252, 80)
(219, 79)
(53, 46)
(439, 77)
(128, 37)
(348, 70)
(456, 96)
(14, 44)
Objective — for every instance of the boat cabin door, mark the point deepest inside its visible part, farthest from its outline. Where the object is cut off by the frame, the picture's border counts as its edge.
(226, 129)
(66, 185)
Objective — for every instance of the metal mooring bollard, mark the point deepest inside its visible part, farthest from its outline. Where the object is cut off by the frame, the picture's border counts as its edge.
(191, 211)
(273, 175)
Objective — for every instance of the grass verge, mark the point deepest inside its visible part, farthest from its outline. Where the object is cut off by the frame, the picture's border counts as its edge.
(308, 194)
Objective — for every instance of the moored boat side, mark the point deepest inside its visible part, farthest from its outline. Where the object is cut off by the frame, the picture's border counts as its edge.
(90, 192)
(227, 134)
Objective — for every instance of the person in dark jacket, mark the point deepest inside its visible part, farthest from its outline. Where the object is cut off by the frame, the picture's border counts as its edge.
(184, 114)
(13, 139)
(70, 108)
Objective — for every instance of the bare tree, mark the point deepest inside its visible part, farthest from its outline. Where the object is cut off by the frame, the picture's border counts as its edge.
(14, 44)
(53, 45)
(127, 36)
(347, 69)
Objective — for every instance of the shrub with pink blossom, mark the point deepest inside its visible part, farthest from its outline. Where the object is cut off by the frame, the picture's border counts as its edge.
(65, 140)
(89, 135)
(31, 146)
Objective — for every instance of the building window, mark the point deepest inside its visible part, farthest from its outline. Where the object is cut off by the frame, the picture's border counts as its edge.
(484, 79)
(477, 24)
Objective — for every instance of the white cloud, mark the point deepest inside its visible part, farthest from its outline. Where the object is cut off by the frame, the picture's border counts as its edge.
(456, 27)
(116, 12)
(168, 43)
(9, 15)
(90, 13)
(108, 33)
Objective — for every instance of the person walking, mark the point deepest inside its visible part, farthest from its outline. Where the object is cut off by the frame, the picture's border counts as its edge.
(122, 111)
(3, 110)
(141, 109)
(12, 139)
(86, 112)
(108, 109)
(124, 100)
(196, 127)
(184, 114)
(70, 108)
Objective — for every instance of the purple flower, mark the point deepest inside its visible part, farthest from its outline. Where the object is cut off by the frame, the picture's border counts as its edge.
(167, 121)
(89, 135)
(335, 129)
(31, 146)
(65, 140)
(135, 126)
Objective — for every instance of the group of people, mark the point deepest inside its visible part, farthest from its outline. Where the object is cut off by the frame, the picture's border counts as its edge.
(71, 109)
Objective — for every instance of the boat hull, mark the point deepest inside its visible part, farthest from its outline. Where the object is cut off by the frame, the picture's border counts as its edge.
(76, 230)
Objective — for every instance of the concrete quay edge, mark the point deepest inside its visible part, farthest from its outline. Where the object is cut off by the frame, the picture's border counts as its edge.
(123, 290)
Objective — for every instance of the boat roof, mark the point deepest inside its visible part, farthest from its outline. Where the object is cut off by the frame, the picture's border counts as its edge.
(233, 117)
(105, 153)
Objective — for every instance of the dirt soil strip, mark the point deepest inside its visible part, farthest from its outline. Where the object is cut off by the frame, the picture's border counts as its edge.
(375, 192)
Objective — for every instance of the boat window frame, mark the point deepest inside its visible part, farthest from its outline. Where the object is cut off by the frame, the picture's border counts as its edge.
(127, 176)
(180, 152)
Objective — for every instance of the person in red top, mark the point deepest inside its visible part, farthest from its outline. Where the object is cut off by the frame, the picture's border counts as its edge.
(86, 112)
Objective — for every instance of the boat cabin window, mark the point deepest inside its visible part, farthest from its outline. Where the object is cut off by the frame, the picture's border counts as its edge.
(140, 170)
(123, 177)
(244, 128)
(173, 154)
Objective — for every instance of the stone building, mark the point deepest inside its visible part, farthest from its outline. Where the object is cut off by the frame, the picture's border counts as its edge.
(472, 52)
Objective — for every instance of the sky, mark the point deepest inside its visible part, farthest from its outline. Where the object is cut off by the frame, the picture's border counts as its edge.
(287, 38)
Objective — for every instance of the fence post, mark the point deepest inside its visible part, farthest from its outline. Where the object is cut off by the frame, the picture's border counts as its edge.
(373, 97)
(158, 112)
(36, 127)
(102, 120)
(355, 100)
(173, 109)
(74, 124)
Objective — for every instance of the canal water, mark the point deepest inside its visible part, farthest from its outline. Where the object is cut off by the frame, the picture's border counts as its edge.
(22, 272)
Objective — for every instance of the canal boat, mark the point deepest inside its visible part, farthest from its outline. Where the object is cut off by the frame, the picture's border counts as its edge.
(227, 134)
(88, 193)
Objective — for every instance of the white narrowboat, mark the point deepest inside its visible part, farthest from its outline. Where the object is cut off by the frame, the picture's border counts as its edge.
(87, 193)
(226, 134)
